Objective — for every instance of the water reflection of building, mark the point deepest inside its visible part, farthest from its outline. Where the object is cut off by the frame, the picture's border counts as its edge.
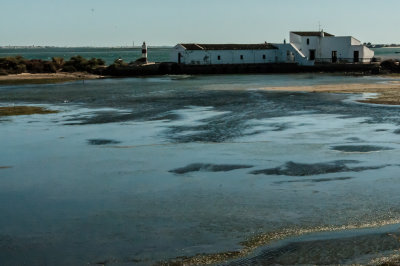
(304, 48)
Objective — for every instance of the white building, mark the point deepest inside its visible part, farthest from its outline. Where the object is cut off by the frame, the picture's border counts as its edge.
(217, 54)
(304, 48)
(322, 47)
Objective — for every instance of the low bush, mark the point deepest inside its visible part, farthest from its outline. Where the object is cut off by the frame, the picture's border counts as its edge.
(391, 65)
(78, 63)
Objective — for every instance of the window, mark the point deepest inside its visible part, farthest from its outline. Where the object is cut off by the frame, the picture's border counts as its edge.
(219, 57)
(308, 41)
(241, 57)
(264, 57)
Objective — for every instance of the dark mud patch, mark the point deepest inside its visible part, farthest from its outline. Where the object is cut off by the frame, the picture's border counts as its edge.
(359, 148)
(301, 169)
(102, 141)
(171, 117)
(280, 127)
(196, 167)
(317, 180)
(354, 139)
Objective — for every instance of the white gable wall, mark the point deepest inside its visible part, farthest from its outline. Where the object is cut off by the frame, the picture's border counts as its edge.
(324, 46)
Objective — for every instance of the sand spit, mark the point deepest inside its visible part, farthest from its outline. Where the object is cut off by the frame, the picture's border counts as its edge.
(43, 78)
(257, 241)
(24, 110)
(387, 93)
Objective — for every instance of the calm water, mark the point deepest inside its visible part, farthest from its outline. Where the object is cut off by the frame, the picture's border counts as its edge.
(107, 54)
(128, 54)
(139, 170)
(387, 53)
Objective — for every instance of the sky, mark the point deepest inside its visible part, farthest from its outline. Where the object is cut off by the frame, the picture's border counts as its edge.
(168, 22)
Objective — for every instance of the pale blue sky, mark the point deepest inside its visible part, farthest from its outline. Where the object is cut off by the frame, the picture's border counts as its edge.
(167, 22)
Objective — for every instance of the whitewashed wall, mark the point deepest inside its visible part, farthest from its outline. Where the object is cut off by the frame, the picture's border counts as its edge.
(297, 51)
(210, 57)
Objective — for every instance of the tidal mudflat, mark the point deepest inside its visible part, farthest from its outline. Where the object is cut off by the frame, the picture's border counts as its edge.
(205, 169)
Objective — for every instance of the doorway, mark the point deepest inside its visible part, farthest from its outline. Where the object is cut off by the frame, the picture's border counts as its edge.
(356, 56)
(312, 55)
(179, 58)
(334, 56)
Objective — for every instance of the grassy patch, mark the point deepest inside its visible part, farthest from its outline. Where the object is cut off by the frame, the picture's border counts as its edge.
(24, 110)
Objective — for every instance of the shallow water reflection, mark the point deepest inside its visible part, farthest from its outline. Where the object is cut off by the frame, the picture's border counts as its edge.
(135, 171)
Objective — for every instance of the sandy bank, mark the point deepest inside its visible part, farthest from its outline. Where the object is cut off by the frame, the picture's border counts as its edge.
(24, 110)
(42, 78)
(387, 93)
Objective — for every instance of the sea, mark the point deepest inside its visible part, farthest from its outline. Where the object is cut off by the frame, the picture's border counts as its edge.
(155, 54)
(151, 170)
(109, 55)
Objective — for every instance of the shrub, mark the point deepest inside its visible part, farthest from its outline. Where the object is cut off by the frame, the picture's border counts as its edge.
(69, 68)
(13, 65)
(58, 62)
(3, 72)
(49, 67)
(35, 66)
(391, 65)
(78, 63)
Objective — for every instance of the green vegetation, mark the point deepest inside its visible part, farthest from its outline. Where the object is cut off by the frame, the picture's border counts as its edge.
(24, 110)
(78, 63)
(18, 64)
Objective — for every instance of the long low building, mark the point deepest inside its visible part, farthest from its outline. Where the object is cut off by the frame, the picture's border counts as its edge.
(304, 48)
(216, 54)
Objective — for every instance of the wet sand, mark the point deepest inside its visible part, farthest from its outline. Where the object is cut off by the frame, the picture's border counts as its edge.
(387, 93)
(43, 78)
